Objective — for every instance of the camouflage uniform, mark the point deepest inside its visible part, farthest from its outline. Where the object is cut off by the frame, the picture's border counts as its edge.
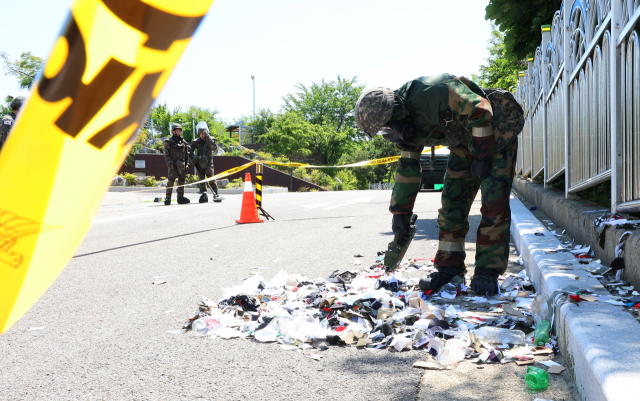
(5, 127)
(453, 111)
(176, 152)
(201, 153)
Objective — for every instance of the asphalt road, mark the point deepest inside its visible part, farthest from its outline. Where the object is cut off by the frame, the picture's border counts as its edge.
(101, 331)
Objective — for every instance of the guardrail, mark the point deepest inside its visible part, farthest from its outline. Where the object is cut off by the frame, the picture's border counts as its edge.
(384, 186)
(581, 97)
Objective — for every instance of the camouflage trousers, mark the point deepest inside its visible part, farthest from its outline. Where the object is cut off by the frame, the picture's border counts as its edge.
(178, 172)
(460, 189)
(207, 173)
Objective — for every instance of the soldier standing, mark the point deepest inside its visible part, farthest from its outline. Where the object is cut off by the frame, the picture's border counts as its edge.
(202, 151)
(176, 153)
(482, 138)
(9, 119)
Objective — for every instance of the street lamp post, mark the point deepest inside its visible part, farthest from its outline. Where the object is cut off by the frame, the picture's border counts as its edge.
(254, 95)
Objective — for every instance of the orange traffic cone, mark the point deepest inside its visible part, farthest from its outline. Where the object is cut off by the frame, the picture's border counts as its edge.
(249, 211)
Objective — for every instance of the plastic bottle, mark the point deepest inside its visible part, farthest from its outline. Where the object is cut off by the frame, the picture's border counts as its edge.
(453, 352)
(536, 378)
(500, 336)
(541, 335)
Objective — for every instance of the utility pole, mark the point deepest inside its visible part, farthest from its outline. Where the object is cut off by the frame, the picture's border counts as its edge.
(254, 95)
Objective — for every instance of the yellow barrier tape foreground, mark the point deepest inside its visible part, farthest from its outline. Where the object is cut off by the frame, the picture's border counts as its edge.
(104, 72)
(374, 162)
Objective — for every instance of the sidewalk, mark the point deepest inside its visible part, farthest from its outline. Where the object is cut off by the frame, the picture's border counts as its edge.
(599, 341)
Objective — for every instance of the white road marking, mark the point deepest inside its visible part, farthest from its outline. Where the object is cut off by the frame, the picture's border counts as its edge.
(109, 219)
(350, 202)
(313, 206)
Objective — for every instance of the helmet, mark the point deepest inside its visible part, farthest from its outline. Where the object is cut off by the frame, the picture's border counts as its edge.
(202, 126)
(175, 126)
(374, 109)
(17, 102)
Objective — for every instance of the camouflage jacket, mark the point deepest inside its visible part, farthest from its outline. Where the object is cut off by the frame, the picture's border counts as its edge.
(202, 151)
(175, 149)
(6, 123)
(443, 110)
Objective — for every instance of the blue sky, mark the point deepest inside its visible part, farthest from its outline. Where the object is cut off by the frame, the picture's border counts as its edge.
(283, 42)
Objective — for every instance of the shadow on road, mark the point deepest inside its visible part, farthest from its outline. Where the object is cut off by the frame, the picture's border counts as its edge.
(153, 240)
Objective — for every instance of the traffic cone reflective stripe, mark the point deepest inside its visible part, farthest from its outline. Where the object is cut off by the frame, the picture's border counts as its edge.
(249, 211)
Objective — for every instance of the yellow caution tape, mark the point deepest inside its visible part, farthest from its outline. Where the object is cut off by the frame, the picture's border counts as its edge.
(374, 162)
(104, 72)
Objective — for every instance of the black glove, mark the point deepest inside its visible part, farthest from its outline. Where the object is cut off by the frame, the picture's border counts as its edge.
(480, 168)
(401, 222)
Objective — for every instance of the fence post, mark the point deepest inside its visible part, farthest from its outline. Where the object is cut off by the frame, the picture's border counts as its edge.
(546, 38)
(521, 85)
(616, 121)
(568, 69)
(530, 105)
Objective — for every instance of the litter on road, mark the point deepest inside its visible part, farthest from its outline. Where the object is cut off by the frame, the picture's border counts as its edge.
(371, 310)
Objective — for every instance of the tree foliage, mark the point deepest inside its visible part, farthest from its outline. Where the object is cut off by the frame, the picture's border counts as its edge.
(24, 69)
(326, 102)
(521, 21)
(289, 136)
(499, 72)
(163, 117)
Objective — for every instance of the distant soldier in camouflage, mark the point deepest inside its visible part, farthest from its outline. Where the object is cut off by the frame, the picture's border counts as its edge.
(8, 120)
(176, 155)
(202, 151)
(480, 128)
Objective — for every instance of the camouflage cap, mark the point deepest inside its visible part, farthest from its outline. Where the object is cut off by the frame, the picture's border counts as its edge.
(175, 126)
(17, 101)
(374, 109)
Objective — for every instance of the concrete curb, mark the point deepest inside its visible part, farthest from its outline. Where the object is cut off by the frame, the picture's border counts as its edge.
(600, 341)
(576, 216)
(194, 190)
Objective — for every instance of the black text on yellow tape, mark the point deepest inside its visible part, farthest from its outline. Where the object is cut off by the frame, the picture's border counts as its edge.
(105, 70)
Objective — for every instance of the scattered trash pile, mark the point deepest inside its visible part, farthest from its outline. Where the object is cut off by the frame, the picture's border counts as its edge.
(371, 310)
(622, 294)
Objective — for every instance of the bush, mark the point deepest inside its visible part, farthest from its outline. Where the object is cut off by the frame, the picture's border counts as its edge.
(149, 181)
(345, 181)
(130, 178)
(237, 183)
(319, 178)
(250, 153)
(301, 173)
(303, 189)
(158, 145)
(191, 178)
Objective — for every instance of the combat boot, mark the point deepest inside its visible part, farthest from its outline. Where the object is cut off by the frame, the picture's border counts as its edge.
(183, 201)
(437, 280)
(204, 198)
(485, 281)
(167, 201)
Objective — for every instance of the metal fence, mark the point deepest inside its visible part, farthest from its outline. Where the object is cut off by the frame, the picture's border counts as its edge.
(581, 96)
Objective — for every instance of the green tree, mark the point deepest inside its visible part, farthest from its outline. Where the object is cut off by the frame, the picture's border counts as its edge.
(327, 102)
(24, 69)
(6, 107)
(289, 136)
(328, 105)
(261, 123)
(520, 21)
(499, 72)
(368, 150)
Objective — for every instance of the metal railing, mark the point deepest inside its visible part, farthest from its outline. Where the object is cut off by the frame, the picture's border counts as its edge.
(581, 96)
